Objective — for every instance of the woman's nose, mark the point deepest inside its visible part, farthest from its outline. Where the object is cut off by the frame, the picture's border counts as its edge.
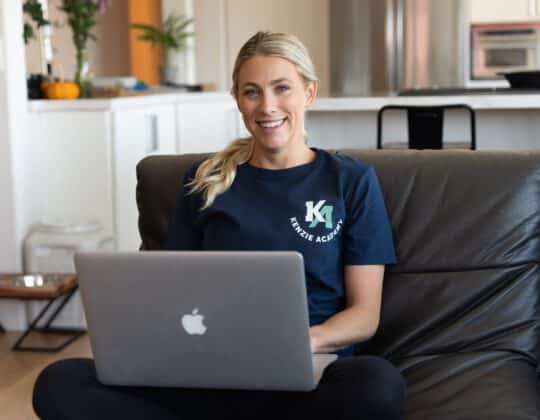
(268, 103)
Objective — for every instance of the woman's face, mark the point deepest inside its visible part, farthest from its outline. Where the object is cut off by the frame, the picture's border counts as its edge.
(273, 99)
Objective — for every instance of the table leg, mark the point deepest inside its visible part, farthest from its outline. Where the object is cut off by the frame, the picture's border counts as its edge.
(73, 333)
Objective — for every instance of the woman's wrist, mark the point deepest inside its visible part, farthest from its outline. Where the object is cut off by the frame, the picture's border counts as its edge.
(317, 339)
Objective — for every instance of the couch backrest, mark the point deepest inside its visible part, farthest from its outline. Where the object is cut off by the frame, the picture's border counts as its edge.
(467, 231)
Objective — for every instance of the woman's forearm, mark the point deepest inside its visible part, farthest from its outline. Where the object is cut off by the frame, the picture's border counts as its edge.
(352, 325)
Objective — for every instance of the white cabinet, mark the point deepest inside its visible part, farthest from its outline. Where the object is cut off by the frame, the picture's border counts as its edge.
(84, 154)
(208, 126)
(136, 133)
(85, 164)
(504, 10)
(70, 154)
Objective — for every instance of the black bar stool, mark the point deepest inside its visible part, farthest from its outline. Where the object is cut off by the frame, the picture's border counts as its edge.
(425, 125)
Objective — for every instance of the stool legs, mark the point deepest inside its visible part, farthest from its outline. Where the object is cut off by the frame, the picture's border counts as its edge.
(73, 333)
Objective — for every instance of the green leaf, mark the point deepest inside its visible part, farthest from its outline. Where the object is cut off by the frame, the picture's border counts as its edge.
(172, 34)
(28, 33)
(33, 9)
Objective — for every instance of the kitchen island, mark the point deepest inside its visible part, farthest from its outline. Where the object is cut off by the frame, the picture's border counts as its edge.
(504, 121)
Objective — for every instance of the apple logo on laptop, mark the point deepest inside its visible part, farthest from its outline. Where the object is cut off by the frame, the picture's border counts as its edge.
(193, 323)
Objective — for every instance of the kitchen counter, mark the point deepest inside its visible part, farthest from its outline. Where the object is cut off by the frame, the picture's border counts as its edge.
(483, 101)
(154, 97)
(479, 102)
(504, 120)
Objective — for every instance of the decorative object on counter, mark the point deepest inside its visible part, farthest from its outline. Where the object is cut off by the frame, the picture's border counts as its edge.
(523, 79)
(37, 10)
(171, 38)
(33, 85)
(34, 11)
(112, 87)
(140, 86)
(107, 92)
(122, 81)
(82, 18)
(60, 89)
(185, 87)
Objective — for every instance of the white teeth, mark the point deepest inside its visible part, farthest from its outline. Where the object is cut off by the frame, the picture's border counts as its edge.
(271, 124)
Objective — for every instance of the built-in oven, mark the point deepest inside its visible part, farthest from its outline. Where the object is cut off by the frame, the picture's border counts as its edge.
(504, 47)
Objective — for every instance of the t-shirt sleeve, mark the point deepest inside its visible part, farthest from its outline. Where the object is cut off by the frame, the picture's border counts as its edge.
(368, 233)
(183, 232)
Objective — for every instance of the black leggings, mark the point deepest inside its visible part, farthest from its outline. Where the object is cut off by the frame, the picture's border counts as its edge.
(360, 387)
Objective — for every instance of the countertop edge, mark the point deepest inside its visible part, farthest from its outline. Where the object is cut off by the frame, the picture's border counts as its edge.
(323, 104)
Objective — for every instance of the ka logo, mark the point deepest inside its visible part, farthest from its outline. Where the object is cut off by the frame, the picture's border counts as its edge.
(319, 213)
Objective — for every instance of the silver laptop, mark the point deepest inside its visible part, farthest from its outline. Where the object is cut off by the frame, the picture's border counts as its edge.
(229, 320)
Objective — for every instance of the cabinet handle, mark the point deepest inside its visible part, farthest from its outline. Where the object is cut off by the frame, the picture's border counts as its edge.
(152, 135)
(533, 9)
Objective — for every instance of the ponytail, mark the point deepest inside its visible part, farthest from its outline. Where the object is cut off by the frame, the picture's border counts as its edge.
(216, 174)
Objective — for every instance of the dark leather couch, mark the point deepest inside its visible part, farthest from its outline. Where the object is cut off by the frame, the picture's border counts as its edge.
(461, 309)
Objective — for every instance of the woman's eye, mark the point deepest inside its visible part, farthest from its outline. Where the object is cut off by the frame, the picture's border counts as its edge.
(282, 88)
(250, 92)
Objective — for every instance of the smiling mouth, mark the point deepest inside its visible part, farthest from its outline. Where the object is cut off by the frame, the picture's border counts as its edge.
(272, 124)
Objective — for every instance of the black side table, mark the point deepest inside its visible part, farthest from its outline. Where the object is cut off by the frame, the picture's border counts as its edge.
(49, 287)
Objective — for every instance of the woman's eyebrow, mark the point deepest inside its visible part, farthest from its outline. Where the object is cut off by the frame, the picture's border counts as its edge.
(273, 82)
(276, 81)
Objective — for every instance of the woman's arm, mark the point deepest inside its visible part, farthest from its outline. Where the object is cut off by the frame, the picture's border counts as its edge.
(360, 319)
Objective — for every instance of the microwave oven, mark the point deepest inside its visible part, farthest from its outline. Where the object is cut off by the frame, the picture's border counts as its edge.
(504, 47)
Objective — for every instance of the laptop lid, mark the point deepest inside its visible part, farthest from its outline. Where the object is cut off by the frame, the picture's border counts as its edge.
(229, 320)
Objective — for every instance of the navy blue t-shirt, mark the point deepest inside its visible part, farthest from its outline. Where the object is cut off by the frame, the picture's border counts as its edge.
(331, 210)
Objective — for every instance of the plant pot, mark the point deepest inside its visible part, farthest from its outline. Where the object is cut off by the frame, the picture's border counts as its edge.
(175, 69)
(82, 74)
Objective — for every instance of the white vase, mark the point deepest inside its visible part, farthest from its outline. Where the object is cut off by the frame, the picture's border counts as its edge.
(178, 68)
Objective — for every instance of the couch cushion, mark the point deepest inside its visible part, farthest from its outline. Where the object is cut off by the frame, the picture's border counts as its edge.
(471, 386)
(495, 309)
(159, 180)
(460, 209)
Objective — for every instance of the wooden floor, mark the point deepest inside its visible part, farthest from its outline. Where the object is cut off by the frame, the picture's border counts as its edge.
(19, 370)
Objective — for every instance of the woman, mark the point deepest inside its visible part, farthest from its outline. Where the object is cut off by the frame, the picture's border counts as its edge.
(272, 192)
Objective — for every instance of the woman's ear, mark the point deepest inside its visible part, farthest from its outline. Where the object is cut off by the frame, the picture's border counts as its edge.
(311, 92)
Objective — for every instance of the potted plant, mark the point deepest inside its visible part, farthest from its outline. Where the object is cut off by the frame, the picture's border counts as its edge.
(171, 38)
(81, 16)
(33, 10)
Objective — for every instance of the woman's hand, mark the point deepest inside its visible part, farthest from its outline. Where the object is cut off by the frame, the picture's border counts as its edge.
(316, 334)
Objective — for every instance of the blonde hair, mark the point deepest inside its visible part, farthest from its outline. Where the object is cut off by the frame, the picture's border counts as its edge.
(216, 174)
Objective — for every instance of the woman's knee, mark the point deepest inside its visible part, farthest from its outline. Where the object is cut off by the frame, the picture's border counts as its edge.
(55, 382)
(375, 384)
(387, 389)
